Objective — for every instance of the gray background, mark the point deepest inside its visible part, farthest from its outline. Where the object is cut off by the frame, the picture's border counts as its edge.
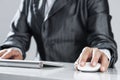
(8, 9)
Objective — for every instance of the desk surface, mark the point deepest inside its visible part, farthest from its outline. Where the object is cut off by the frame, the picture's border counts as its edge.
(66, 72)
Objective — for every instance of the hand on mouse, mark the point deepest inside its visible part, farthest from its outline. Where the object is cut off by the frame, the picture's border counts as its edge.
(11, 53)
(93, 55)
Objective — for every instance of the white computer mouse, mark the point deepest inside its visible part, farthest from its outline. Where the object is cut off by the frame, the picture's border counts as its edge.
(89, 68)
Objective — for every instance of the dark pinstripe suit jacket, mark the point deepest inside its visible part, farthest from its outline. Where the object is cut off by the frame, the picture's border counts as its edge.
(71, 25)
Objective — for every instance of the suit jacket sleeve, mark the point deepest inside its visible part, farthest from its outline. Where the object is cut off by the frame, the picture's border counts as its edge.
(20, 35)
(99, 28)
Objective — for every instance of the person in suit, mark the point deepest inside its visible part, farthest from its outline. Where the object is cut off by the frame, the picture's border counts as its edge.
(64, 30)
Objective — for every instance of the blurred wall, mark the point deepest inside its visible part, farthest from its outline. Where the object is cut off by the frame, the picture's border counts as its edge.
(9, 7)
(115, 12)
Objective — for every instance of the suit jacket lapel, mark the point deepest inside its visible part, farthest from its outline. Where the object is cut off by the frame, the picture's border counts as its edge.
(58, 5)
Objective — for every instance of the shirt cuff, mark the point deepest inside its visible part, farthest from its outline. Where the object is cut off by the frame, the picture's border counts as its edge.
(106, 52)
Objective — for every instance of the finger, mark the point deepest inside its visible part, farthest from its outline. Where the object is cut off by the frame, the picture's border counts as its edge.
(7, 55)
(2, 52)
(104, 63)
(17, 57)
(96, 54)
(17, 54)
(76, 65)
(84, 56)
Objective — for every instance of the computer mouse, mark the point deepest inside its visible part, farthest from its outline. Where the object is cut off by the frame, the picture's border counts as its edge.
(89, 68)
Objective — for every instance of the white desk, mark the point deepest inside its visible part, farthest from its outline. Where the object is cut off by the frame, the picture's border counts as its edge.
(67, 72)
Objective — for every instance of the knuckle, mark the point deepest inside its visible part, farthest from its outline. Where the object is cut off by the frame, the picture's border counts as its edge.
(12, 50)
(96, 49)
(86, 48)
(97, 53)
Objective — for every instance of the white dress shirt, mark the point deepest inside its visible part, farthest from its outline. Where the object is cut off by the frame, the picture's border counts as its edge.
(48, 7)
